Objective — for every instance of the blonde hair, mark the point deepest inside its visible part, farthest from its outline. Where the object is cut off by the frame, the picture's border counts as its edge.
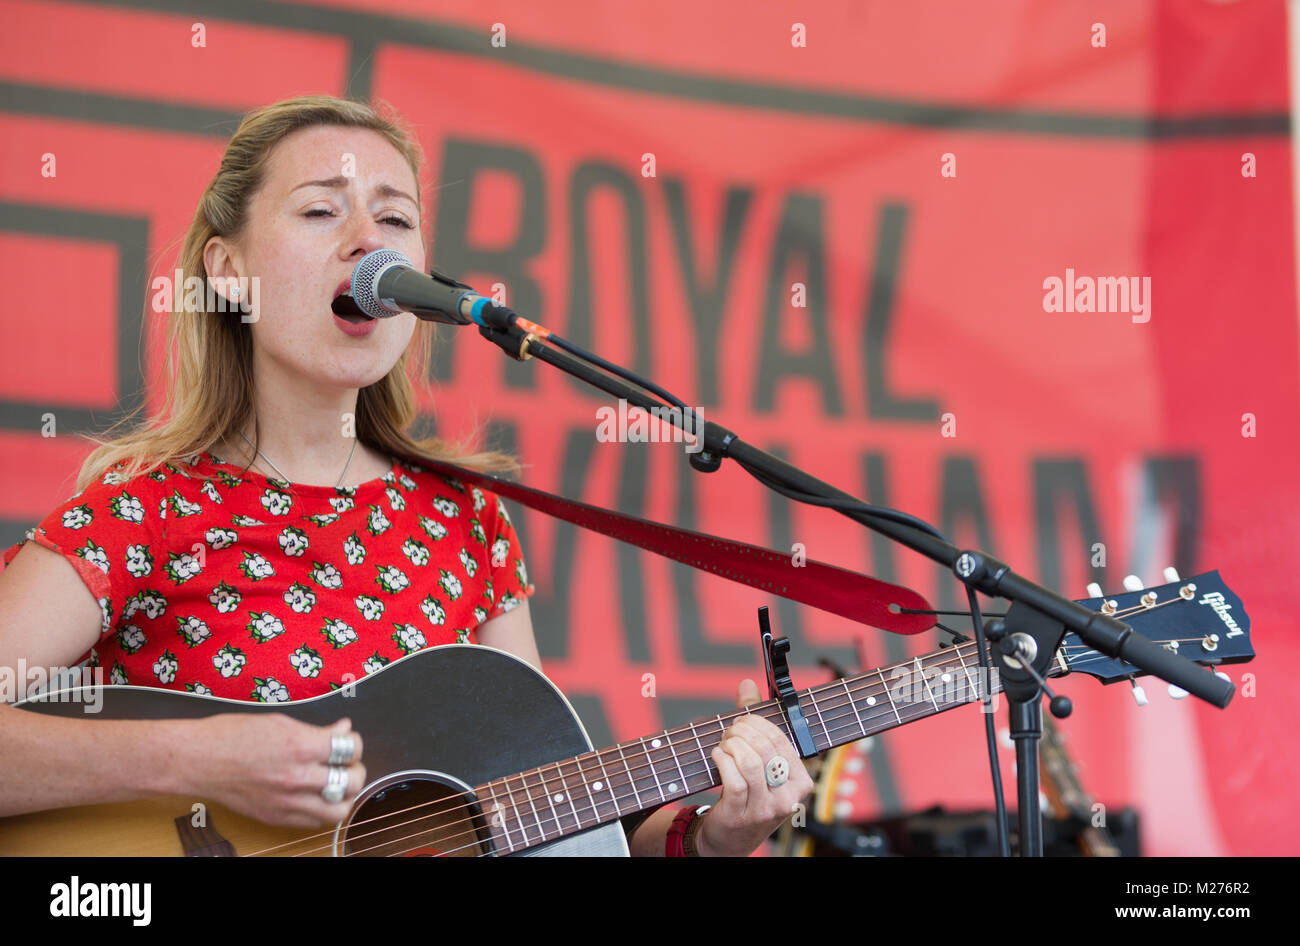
(210, 354)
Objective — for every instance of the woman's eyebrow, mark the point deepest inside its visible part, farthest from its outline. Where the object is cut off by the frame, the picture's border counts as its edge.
(339, 181)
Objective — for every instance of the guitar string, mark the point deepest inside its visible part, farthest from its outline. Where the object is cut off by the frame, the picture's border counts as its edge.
(1135, 609)
(581, 771)
(837, 701)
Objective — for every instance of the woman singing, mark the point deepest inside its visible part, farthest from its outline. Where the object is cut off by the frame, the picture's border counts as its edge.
(260, 540)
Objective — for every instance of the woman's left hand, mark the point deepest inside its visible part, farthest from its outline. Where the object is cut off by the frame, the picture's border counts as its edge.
(750, 809)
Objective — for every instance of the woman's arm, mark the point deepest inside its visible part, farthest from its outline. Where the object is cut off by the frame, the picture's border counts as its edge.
(270, 768)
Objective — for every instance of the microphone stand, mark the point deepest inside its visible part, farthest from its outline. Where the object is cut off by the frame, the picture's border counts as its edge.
(1029, 635)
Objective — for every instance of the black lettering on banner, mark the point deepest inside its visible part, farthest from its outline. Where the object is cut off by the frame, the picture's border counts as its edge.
(961, 501)
(1057, 481)
(881, 403)
(1178, 478)
(589, 179)
(707, 298)
(463, 162)
(798, 255)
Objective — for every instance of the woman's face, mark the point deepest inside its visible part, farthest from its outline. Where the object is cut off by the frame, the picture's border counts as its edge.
(331, 195)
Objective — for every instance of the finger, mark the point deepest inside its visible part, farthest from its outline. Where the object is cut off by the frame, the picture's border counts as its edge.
(749, 763)
(343, 728)
(735, 790)
(746, 693)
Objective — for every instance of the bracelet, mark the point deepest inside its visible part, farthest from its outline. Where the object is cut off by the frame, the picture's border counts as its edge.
(680, 841)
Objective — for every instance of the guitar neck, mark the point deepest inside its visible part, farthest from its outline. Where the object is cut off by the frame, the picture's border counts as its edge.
(565, 797)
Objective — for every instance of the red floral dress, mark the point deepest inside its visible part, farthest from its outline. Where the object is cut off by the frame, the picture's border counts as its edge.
(220, 581)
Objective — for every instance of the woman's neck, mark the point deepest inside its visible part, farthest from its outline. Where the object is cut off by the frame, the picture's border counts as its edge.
(307, 439)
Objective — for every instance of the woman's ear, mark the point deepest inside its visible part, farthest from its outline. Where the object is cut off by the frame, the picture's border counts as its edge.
(223, 268)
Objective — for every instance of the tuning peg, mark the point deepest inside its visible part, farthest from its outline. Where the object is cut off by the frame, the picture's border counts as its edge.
(1171, 575)
(1133, 583)
(1176, 693)
(1139, 694)
(1094, 590)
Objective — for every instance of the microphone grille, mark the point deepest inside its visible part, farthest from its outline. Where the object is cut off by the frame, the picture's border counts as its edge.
(365, 281)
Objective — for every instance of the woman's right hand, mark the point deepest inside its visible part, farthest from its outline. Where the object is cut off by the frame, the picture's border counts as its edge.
(272, 768)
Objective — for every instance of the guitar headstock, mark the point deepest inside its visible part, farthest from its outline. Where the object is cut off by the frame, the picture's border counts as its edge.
(1199, 618)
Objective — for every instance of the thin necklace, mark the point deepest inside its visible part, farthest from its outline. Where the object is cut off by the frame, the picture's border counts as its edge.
(337, 485)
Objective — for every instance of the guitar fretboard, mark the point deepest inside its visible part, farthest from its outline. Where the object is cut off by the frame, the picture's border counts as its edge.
(561, 798)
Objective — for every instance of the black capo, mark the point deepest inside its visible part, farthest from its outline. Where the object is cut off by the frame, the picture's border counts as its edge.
(779, 686)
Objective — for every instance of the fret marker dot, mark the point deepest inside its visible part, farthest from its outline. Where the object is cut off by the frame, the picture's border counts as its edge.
(559, 796)
(597, 786)
(871, 701)
(655, 743)
(946, 678)
(672, 786)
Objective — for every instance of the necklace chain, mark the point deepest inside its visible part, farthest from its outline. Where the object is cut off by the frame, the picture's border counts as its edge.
(268, 462)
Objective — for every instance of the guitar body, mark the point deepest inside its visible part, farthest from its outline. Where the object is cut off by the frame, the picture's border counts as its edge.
(434, 724)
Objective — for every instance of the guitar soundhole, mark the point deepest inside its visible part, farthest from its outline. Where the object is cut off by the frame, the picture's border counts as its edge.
(415, 816)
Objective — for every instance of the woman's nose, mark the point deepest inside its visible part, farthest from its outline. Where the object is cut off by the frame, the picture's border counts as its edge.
(364, 236)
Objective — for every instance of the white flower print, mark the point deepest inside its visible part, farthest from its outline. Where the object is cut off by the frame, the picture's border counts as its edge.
(407, 483)
(435, 529)
(300, 598)
(479, 499)
(269, 690)
(210, 491)
(264, 626)
(395, 499)
(276, 502)
(409, 638)
(416, 551)
(521, 572)
(193, 630)
(338, 633)
(164, 667)
(198, 688)
(183, 507)
(450, 584)
(255, 567)
(324, 520)
(306, 661)
(293, 541)
(446, 507)
(343, 503)
(113, 478)
(476, 532)
(471, 566)
(392, 579)
(327, 576)
(374, 662)
(240, 520)
(130, 638)
(225, 598)
(354, 549)
(139, 561)
(94, 554)
(229, 661)
(502, 512)
(153, 603)
(220, 538)
(78, 517)
(371, 608)
(127, 508)
(377, 523)
(117, 676)
(480, 614)
(500, 551)
(433, 610)
(181, 567)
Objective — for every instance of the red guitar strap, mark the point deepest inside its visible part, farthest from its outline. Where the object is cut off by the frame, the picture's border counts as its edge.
(827, 587)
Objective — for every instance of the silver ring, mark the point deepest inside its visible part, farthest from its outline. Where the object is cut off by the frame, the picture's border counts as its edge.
(776, 771)
(336, 785)
(342, 749)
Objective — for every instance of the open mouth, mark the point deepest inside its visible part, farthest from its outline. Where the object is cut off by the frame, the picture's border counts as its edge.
(346, 308)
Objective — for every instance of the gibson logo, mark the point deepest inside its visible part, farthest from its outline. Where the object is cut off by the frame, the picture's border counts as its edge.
(1215, 600)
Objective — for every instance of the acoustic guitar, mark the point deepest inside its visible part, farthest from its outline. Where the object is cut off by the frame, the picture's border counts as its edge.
(474, 753)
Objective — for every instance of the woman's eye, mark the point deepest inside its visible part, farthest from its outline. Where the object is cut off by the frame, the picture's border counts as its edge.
(399, 221)
(319, 212)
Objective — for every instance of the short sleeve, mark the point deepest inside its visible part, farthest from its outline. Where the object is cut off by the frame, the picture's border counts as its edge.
(509, 574)
(112, 535)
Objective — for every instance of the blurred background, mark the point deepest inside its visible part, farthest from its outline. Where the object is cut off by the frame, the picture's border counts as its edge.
(656, 182)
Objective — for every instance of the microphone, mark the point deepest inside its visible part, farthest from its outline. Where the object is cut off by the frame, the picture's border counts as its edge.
(385, 284)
